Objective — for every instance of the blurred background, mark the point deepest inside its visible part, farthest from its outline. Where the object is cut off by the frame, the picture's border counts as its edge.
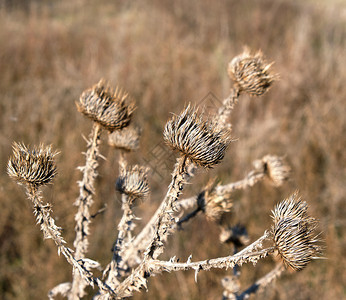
(166, 54)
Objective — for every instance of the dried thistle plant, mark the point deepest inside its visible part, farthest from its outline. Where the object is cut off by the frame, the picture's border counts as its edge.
(274, 167)
(294, 233)
(251, 73)
(110, 108)
(34, 167)
(213, 204)
(200, 142)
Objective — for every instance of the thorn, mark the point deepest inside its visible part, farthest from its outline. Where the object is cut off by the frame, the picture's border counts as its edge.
(103, 157)
(84, 138)
(196, 273)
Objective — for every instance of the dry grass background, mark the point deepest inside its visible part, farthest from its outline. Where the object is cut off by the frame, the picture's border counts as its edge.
(167, 53)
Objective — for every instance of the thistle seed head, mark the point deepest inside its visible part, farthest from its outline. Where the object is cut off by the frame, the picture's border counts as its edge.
(111, 109)
(201, 141)
(251, 73)
(35, 167)
(126, 139)
(294, 233)
(133, 182)
(214, 205)
(275, 168)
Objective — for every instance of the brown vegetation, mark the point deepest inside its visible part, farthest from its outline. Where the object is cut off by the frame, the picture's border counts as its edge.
(167, 53)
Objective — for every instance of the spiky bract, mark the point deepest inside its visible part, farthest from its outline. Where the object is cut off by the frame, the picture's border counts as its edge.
(110, 108)
(133, 181)
(35, 167)
(201, 141)
(126, 139)
(251, 73)
(294, 233)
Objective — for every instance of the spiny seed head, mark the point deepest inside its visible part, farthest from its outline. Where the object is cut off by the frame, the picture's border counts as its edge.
(126, 139)
(201, 141)
(275, 168)
(133, 182)
(294, 233)
(110, 108)
(35, 167)
(213, 204)
(251, 73)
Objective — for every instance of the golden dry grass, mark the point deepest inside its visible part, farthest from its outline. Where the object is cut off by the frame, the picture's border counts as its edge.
(167, 53)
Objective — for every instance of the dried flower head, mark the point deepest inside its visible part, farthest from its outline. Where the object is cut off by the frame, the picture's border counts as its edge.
(133, 181)
(294, 233)
(111, 109)
(34, 167)
(201, 141)
(126, 139)
(275, 168)
(251, 73)
(213, 204)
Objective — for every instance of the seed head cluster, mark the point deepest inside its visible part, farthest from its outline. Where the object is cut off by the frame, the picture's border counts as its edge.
(133, 182)
(251, 73)
(201, 141)
(294, 233)
(111, 109)
(35, 167)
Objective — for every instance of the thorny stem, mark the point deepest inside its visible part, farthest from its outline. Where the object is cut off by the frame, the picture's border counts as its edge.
(51, 231)
(117, 264)
(250, 180)
(166, 219)
(162, 228)
(263, 282)
(141, 241)
(249, 254)
(258, 285)
(227, 107)
(83, 202)
(150, 266)
(189, 216)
